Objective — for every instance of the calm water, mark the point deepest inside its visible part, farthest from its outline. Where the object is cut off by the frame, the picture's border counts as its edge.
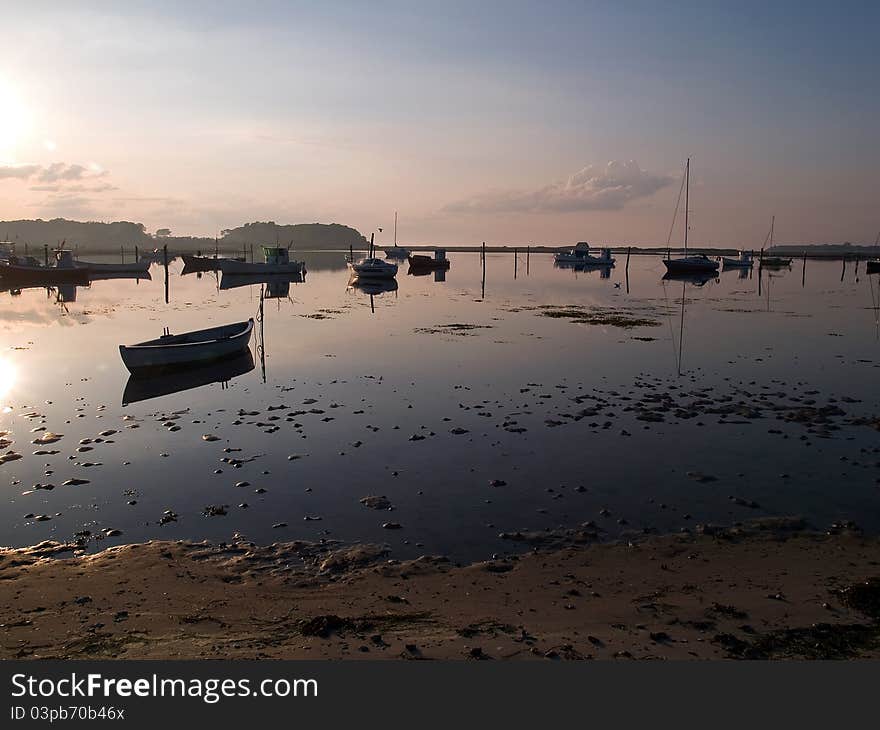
(545, 404)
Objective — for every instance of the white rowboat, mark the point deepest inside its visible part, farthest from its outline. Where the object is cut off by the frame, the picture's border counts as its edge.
(191, 347)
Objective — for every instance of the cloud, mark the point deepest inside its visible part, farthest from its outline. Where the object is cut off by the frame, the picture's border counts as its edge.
(19, 172)
(592, 188)
(54, 173)
(61, 171)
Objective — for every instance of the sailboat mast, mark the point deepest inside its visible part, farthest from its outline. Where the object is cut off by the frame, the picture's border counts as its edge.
(687, 188)
(772, 225)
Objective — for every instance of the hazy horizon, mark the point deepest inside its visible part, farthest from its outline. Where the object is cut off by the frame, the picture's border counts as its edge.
(504, 122)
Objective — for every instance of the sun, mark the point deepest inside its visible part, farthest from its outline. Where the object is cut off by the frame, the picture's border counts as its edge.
(14, 118)
(7, 377)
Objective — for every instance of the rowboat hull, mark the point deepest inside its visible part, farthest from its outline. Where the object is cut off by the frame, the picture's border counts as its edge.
(775, 263)
(193, 347)
(138, 267)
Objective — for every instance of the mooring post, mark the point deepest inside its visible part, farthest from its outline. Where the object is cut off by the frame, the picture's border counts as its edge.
(843, 270)
(804, 272)
(45, 252)
(515, 257)
(165, 264)
(528, 255)
(483, 283)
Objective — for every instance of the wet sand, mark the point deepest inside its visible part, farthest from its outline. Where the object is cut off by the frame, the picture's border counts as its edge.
(767, 590)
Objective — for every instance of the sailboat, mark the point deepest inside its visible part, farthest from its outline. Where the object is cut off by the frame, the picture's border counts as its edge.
(693, 263)
(396, 252)
(774, 262)
(371, 267)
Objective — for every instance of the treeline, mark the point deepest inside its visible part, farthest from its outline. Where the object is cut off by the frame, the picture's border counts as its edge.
(109, 237)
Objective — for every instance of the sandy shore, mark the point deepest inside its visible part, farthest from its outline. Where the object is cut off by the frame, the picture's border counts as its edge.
(766, 591)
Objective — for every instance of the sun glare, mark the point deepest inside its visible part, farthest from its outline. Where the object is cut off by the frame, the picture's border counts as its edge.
(14, 117)
(7, 377)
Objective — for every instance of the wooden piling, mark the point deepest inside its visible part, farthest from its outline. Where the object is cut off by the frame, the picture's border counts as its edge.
(165, 264)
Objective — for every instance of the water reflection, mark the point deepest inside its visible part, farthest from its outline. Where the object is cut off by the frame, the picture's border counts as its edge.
(144, 387)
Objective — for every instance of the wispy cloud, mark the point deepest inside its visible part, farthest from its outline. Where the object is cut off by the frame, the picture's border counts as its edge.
(594, 187)
(55, 172)
(18, 172)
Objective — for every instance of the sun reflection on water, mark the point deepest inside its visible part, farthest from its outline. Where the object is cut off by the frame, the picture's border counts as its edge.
(7, 377)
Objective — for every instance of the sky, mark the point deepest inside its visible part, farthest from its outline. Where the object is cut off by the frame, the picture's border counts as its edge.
(498, 121)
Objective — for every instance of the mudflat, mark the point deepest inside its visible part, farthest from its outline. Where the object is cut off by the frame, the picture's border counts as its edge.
(764, 590)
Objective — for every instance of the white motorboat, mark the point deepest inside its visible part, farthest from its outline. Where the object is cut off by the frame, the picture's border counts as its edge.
(744, 261)
(276, 260)
(191, 347)
(689, 263)
(580, 255)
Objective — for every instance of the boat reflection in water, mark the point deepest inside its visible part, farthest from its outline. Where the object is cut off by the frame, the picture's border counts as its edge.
(372, 287)
(439, 274)
(144, 387)
(697, 278)
(277, 286)
(603, 269)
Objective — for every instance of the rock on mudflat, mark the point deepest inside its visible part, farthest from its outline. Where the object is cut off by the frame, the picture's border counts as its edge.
(210, 437)
(376, 502)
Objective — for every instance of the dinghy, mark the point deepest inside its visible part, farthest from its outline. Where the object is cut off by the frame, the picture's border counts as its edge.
(27, 270)
(421, 262)
(190, 347)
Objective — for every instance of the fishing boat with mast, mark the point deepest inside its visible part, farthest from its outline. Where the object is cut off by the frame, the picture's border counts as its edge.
(276, 260)
(581, 255)
(397, 252)
(689, 263)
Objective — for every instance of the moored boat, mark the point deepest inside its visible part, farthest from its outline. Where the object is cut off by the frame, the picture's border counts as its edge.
(428, 263)
(580, 256)
(371, 267)
(276, 261)
(205, 345)
(873, 267)
(744, 261)
(27, 270)
(689, 263)
(397, 252)
(193, 263)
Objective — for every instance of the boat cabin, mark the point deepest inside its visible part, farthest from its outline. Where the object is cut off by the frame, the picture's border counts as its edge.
(64, 259)
(275, 255)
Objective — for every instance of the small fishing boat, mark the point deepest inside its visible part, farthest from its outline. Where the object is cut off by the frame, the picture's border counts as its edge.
(371, 267)
(689, 263)
(580, 256)
(190, 347)
(135, 267)
(428, 263)
(397, 252)
(873, 267)
(27, 270)
(143, 386)
(276, 260)
(744, 261)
